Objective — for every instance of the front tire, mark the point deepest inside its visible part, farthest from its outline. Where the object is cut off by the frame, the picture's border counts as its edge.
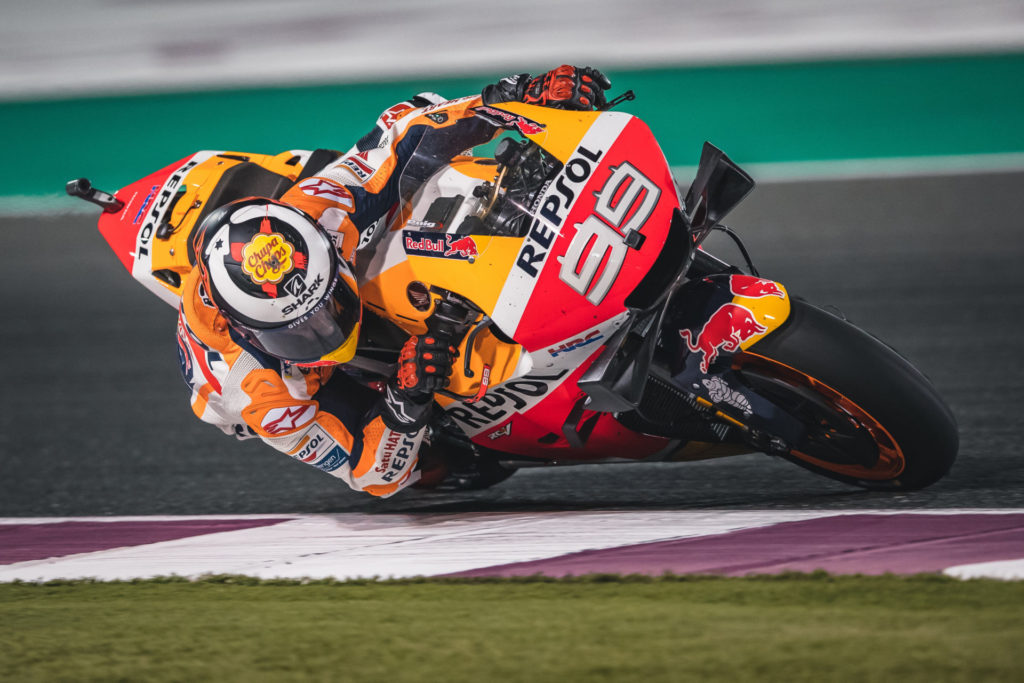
(872, 419)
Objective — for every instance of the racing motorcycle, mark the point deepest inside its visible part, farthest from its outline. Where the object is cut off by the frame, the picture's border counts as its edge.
(594, 327)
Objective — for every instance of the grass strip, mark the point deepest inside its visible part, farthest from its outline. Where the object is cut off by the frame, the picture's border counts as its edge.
(596, 628)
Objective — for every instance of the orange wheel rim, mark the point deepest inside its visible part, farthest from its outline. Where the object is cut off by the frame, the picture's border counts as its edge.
(891, 460)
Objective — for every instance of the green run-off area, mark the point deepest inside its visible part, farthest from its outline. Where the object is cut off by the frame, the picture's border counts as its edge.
(853, 109)
(797, 628)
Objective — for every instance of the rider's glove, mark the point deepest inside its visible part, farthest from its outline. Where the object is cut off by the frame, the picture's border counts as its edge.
(509, 89)
(424, 366)
(566, 87)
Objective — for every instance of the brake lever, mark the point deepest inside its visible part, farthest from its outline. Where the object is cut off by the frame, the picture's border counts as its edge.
(627, 96)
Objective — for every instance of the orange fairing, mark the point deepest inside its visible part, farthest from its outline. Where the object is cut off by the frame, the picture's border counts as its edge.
(571, 127)
(480, 279)
(172, 254)
(387, 296)
(491, 360)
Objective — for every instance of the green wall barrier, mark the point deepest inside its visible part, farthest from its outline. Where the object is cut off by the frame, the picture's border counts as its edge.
(764, 113)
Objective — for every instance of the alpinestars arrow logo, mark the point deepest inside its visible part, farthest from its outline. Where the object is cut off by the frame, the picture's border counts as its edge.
(320, 187)
(281, 420)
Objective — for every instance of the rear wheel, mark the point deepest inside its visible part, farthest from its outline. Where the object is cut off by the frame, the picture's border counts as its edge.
(871, 418)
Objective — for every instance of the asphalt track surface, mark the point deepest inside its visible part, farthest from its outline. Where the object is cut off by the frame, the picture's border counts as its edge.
(94, 418)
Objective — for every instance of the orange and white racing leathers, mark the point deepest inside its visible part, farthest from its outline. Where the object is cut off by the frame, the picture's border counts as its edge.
(324, 416)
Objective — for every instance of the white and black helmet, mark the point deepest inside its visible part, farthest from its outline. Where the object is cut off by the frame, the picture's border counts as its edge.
(277, 278)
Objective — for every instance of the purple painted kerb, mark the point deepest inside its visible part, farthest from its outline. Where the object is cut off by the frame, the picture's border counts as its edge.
(843, 544)
(25, 542)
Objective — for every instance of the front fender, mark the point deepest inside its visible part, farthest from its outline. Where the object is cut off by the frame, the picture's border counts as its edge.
(717, 316)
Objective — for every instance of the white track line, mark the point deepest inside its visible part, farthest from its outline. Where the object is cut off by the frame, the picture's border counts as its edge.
(1007, 570)
(357, 545)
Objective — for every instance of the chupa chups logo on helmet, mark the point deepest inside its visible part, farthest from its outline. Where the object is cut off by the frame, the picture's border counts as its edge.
(267, 258)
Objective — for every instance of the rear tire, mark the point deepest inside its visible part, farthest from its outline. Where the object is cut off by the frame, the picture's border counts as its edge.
(873, 419)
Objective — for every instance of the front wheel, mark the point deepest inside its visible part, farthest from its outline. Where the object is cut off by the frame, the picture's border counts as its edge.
(871, 419)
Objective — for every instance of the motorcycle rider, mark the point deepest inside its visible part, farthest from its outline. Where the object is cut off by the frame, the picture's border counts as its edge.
(272, 307)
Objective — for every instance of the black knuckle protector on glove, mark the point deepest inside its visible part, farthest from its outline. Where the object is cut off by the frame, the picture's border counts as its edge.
(424, 364)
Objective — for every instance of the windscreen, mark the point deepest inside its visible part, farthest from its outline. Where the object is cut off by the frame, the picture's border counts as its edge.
(474, 179)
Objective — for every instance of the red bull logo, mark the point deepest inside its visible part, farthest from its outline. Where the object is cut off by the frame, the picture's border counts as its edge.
(727, 328)
(509, 120)
(754, 287)
(439, 245)
(528, 127)
(463, 247)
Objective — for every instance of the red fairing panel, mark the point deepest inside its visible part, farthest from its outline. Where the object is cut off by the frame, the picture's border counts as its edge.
(121, 229)
(628, 195)
(606, 218)
(538, 430)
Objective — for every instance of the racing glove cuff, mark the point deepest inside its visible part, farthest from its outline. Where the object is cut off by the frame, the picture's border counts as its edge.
(424, 364)
(402, 411)
(509, 89)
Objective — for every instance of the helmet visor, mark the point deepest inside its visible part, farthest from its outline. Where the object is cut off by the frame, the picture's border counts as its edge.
(328, 332)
